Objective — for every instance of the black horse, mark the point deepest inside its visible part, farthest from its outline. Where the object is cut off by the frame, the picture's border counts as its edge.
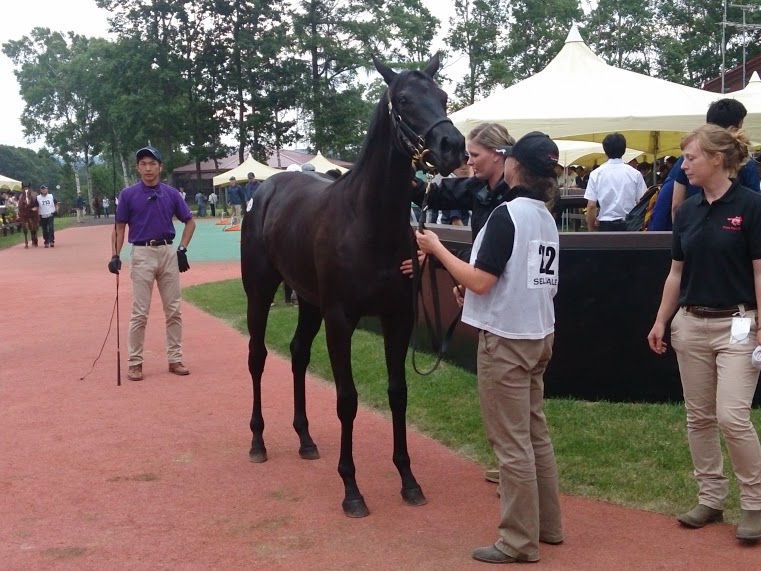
(340, 245)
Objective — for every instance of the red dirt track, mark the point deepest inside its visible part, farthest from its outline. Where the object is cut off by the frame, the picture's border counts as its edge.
(155, 475)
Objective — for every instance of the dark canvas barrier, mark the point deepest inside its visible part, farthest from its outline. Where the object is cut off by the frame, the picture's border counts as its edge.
(610, 289)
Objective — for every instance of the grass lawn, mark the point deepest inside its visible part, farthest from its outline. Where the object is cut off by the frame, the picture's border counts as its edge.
(18, 237)
(634, 455)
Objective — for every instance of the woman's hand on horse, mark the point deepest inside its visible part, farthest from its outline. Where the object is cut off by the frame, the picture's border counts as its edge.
(406, 266)
(459, 294)
(427, 241)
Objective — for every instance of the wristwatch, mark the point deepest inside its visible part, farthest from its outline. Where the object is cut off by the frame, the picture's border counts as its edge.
(182, 249)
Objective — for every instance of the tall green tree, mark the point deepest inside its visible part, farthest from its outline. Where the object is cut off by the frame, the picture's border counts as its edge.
(263, 75)
(56, 78)
(690, 38)
(477, 31)
(623, 33)
(537, 32)
(159, 87)
(337, 39)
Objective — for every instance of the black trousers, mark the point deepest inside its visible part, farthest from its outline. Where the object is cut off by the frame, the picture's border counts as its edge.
(213, 209)
(48, 230)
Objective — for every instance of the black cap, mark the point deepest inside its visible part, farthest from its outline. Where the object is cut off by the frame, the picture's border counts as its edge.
(250, 175)
(149, 151)
(43, 186)
(535, 151)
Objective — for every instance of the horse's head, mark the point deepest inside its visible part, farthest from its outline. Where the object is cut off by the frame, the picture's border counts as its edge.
(418, 110)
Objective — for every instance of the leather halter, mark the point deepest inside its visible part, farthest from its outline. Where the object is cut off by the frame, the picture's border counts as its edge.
(412, 143)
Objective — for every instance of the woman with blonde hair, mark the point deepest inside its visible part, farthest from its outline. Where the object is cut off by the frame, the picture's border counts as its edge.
(712, 293)
(480, 193)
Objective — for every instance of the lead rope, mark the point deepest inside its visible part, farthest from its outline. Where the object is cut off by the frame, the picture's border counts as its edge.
(439, 339)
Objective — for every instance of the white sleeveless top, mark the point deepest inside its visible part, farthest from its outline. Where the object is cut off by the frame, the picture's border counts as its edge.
(520, 306)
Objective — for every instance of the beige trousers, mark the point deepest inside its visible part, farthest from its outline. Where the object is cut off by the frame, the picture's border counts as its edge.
(511, 390)
(718, 381)
(159, 264)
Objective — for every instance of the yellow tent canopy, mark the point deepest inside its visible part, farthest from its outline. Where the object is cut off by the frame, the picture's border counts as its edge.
(323, 165)
(587, 153)
(261, 172)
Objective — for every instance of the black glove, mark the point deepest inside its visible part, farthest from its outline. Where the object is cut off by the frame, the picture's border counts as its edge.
(115, 265)
(182, 259)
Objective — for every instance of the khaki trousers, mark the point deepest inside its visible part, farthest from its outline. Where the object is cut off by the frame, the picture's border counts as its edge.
(718, 381)
(159, 264)
(511, 390)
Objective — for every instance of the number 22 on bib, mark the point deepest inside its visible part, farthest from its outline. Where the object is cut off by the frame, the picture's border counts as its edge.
(542, 271)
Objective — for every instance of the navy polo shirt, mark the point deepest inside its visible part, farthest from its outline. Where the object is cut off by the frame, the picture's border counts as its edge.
(717, 243)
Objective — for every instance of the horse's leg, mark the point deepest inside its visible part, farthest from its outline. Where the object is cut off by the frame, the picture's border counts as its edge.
(25, 230)
(33, 229)
(338, 331)
(260, 292)
(397, 329)
(301, 352)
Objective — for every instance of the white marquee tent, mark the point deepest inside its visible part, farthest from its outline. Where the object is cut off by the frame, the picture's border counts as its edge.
(261, 172)
(579, 96)
(751, 98)
(9, 183)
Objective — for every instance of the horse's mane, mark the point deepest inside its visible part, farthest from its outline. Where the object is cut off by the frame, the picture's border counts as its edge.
(378, 127)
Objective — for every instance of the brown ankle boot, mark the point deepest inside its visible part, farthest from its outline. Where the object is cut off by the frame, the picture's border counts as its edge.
(699, 516)
(135, 373)
(178, 369)
(750, 526)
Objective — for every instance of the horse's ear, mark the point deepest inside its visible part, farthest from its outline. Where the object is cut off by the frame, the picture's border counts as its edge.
(386, 72)
(432, 66)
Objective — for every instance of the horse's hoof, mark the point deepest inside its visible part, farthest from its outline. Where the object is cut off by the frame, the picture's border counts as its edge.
(257, 456)
(355, 508)
(414, 496)
(309, 453)
(26, 246)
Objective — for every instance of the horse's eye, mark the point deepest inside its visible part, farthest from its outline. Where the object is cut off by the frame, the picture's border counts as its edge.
(402, 100)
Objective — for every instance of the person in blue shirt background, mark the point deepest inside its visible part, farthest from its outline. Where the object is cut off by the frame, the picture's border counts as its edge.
(660, 219)
(250, 188)
(235, 198)
(724, 113)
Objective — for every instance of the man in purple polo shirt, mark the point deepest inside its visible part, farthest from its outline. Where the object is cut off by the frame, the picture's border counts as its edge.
(148, 207)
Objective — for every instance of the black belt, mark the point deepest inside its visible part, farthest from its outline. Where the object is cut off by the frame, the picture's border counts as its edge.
(153, 243)
(700, 311)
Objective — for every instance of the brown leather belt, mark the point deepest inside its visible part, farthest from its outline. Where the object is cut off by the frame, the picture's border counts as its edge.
(716, 312)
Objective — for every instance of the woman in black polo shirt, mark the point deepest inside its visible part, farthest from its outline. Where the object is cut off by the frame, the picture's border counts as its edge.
(712, 293)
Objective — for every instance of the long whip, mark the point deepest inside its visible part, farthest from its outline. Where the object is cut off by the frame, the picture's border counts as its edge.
(118, 329)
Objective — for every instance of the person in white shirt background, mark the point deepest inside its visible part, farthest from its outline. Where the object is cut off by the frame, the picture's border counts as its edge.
(48, 208)
(615, 187)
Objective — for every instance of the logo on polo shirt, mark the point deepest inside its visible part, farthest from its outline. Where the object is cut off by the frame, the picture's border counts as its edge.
(735, 223)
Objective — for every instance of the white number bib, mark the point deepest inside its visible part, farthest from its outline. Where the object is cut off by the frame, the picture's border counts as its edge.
(542, 271)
